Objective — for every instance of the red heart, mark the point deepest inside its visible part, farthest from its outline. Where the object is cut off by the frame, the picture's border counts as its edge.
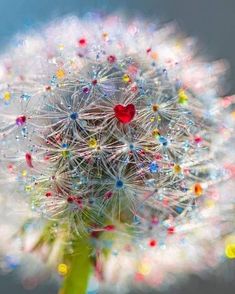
(124, 114)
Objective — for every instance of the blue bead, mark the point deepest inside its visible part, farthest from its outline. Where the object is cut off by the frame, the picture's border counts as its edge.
(184, 189)
(163, 141)
(179, 209)
(25, 97)
(119, 184)
(74, 115)
(136, 220)
(153, 167)
(53, 80)
(132, 147)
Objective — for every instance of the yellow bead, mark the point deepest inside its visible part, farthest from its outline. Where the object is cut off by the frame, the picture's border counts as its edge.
(152, 119)
(177, 169)
(65, 153)
(155, 133)
(144, 268)
(105, 36)
(182, 97)
(28, 188)
(24, 173)
(60, 74)
(92, 143)
(230, 250)
(62, 269)
(126, 78)
(7, 96)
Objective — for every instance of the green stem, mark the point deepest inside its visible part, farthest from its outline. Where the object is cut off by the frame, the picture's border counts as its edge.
(79, 263)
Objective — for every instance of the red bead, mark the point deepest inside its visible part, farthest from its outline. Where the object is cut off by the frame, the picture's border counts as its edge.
(82, 42)
(134, 88)
(158, 156)
(20, 120)
(109, 228)
(124, 114)
(152, 243)
(78, 201)
(108, 195)
(171, 230)
(48, 88)
(197, 139)
(28, 159)
(111, 58)
(94, 82)
(48, 194)
(95, 234)
(70, 199)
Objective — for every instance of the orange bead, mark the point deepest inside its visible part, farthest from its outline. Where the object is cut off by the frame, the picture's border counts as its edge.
(155, 107)
(60, 74)
(197, 189)
(154, 55)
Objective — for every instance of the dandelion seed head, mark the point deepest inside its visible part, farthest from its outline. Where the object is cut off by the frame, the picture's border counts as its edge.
(120, 129)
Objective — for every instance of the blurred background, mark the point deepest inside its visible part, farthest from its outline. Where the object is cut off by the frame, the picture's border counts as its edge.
(212, 22)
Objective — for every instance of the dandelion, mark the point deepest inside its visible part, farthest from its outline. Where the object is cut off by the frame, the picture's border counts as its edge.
(120, 152)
